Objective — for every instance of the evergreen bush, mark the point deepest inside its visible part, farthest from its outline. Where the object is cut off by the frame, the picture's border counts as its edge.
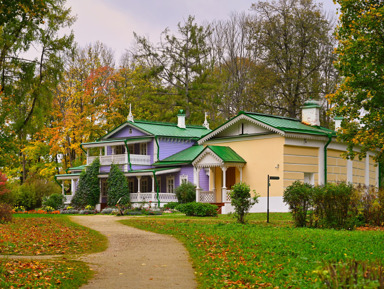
(55, 201)
(186, 193)
(170, 205)
(88, 190)
(242, 201)
(117, 187)
(298, 197)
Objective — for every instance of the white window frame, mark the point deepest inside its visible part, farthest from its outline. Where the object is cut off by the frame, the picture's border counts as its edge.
(131, 185)
(170, 184)
(144, 185)
(143, 148)
(183, 179)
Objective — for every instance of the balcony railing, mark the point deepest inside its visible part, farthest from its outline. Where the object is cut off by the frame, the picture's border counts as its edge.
(146, 197)
(121, 159)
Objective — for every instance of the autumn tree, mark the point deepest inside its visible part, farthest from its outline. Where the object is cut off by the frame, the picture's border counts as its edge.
(182, 63)
(27, 85)
(359, 97)
(293, 39)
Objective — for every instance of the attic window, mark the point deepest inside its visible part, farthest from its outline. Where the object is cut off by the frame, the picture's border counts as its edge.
(130, 130)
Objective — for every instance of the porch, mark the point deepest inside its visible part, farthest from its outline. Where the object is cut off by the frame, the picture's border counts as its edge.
(225, 168)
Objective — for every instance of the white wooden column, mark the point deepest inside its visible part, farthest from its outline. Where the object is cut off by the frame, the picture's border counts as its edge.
(153, 184)
(73, 188)
(62, 187)
(106, 150)
(213, 174)
(100, 151)
(224, 188)
(367, 170)
(349, 171)
(197, 183)
(241, 173)
(87, 156)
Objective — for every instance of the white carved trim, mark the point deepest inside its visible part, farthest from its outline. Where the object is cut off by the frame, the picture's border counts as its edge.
(208, 151)
(235, 120)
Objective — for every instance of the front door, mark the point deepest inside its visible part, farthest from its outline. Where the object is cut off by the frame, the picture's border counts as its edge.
(230, 178)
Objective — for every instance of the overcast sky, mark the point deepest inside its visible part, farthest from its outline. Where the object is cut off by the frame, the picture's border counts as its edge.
(114, 21)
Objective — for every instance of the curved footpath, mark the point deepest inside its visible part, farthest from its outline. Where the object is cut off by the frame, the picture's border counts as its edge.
(136, 258)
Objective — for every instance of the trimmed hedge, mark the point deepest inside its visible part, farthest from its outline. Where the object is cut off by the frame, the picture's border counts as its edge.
(186, 193)
(198, 209)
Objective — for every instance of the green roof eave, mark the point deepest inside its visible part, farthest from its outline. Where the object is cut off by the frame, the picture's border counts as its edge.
(227, 154)
(79, 168)
(118, 140)
(68, 175)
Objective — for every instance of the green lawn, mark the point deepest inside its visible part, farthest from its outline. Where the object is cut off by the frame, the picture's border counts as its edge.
(36, 234)
(229, 255)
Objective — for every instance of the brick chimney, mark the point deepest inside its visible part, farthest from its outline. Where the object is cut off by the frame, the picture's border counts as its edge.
(311, 112)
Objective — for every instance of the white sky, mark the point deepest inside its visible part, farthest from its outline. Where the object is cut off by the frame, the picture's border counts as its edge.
(114, 21)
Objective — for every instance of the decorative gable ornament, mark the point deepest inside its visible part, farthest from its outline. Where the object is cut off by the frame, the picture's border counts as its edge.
(130, 115)
(206, 124)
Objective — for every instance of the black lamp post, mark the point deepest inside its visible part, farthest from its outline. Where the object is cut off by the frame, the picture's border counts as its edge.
(270, 178)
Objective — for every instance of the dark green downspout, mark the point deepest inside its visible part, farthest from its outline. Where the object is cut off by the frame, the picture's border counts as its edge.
(129, 155)
(81, 146)
(325, 158)
(158, 148)
(57, 182)
(157, 189)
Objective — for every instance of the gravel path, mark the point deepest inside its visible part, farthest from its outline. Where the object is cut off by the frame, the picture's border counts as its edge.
(136, 258)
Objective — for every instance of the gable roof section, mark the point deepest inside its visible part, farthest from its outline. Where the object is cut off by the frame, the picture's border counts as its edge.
(277, 124)
(162, 129)
(187, 156)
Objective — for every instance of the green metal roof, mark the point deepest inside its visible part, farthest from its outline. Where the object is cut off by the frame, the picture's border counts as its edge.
(188, 155)
(227, 154)
(287, 124)
(171, 129)
(79, 168)
(183, 157)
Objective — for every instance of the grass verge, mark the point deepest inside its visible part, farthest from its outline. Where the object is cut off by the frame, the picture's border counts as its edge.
(48, 235)
(260, 255)
(43, 274)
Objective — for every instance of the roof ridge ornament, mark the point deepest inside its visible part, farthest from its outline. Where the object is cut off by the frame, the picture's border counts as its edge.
(130, 115)
(206, 124)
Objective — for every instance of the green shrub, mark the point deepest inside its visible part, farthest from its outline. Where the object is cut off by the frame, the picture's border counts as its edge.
(88, 190)
(55, 201)
(170, 205)
(5, 213)
(242, 201)
(336, 205)
(298, 197)
(198, 209)
(372, 205)
(117, 187)
(186, 193)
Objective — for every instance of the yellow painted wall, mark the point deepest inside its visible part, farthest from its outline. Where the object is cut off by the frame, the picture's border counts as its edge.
(372, 172)
(299, 160)
(358, 171)
(262, 157)
(337, 166)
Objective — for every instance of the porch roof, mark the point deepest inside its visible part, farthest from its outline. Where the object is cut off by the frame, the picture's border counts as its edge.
(187, 156)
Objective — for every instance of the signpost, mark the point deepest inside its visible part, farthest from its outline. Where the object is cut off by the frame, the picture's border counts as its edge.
(270, 178)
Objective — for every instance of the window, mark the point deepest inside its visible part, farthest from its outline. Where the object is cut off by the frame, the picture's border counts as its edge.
(131, 148)
(143, 148)
(131, 185)
(183, 179)
(309, 178)
(119, 150)
(171, 184)
(144, 185)
(103, 187)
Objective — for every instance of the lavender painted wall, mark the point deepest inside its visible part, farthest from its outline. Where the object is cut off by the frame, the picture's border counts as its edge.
(169, 147)
(105, 169)
(204, 180)
(150, 149)
(187, 170)
(125, 132)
